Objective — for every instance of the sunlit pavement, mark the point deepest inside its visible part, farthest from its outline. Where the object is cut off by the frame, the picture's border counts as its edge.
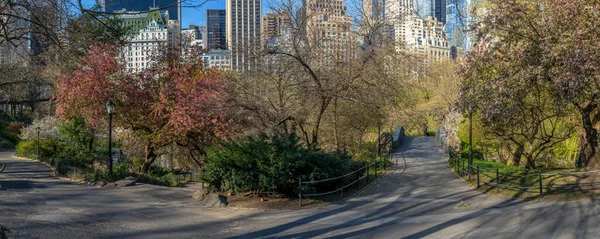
(419, 198)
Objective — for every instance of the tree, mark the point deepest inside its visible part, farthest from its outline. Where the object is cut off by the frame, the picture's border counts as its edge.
(176, 102)
(529, 44)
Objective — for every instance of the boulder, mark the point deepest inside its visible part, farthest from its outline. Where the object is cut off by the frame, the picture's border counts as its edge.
(120, 184)
(125, 183)
(215, 200)
(199, 195)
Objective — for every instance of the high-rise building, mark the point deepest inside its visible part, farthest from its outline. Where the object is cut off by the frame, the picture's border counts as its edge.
(431, 8)
(44, 24)
(328, 32)
(13, 41)
(424, 8)
(373, 10)
(243, 32)
(426, 36)
(216, 25)
(457, 18)
(151, 31)
(440, 10)
(399, 17)
(273, 24)
(431, 40)
(195, 36)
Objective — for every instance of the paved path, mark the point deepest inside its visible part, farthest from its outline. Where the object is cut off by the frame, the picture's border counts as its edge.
(420, 199)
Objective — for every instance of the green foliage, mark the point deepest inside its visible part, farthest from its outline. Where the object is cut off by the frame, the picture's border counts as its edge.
(9, 135)
(49, 148)
(270, 164)
(159, 176)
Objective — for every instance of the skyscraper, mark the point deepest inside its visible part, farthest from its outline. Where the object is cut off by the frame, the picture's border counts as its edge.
(424, 8)
(243, 32)
(216, 25)
(328, 32)
(13, 38)
(44, 22)
(456, 22)
(399, 17)
(273, 24)
(440, 10)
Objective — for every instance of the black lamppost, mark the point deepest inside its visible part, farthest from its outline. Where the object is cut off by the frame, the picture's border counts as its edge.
(110, 109)
(38, 142)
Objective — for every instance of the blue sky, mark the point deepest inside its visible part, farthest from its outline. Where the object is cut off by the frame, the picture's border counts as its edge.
(198, 15)
(190, 15)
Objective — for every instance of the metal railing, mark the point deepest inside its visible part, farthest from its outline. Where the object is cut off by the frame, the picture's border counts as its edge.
(188, 177)
(342, 182)
(462, 169)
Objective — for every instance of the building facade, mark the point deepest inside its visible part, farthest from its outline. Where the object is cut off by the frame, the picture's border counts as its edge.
(431, 39)
(440, 10)
(328, 32)
(457, 14)
(217, 59)
(14, 47)
(243, 32)
(195, 36)
(273, 24)
(399, 18)
(150, 31)
(216, 25)
(431, 8)
(172, 6)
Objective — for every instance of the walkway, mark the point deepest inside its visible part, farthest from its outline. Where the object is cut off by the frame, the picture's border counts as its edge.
(420, 199)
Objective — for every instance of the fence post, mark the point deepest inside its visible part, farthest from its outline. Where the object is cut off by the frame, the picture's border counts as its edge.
(497, 181)
(299, 190)
(477, 176)
(540, 177)
(342, 187)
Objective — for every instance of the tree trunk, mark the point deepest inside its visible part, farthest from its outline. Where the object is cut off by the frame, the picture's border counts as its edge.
(530, 163)
(588, 156)
(91, 141)
(315, 133)
(150, 158)
(517, 154)
(336, 136)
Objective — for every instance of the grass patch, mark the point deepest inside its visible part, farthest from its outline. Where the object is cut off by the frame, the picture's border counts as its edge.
(521, 183)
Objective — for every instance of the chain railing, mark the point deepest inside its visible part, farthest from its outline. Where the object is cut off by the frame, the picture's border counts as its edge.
(343, 182)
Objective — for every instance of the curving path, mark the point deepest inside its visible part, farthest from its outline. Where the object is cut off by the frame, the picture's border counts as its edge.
(420, 198)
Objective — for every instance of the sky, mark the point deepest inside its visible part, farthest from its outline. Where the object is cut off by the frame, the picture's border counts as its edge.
(190, 15)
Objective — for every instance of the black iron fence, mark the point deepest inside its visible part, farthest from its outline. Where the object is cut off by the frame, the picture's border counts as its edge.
(363, 176)
(538, 182)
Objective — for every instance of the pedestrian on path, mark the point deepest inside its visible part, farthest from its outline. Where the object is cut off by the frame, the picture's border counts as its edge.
(425, 130)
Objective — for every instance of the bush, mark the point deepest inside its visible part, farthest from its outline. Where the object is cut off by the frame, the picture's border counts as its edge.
(163, 180)
(271, 164)
(49, 148)
(9, 135)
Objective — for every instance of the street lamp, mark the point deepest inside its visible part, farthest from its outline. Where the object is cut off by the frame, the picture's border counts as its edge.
(38, 142)
(110, 109)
